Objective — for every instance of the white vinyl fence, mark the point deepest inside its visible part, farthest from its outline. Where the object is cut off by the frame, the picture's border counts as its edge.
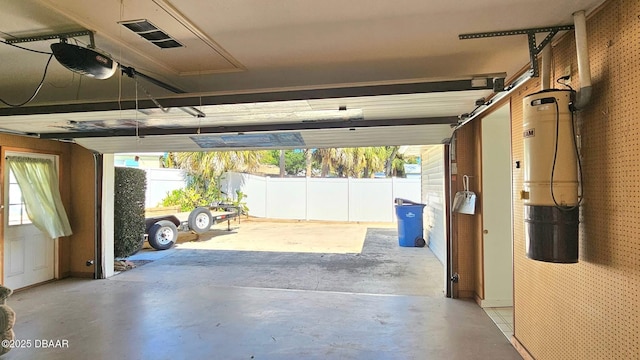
(337, 199)
(160, 182)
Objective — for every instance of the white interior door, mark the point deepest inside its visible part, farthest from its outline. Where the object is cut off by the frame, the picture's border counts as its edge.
(496, 209)
(29, 254)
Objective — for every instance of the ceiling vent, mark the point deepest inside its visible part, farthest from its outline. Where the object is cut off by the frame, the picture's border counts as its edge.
(151, 33)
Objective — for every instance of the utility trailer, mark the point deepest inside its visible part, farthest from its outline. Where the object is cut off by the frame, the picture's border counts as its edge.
(162, 230)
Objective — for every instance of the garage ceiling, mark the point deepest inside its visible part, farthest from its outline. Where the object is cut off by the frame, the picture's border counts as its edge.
(282, 74)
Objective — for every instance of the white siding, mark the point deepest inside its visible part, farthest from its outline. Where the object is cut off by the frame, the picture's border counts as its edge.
(433, 194)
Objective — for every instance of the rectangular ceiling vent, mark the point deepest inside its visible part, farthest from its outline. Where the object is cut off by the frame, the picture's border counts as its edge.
(151, 33)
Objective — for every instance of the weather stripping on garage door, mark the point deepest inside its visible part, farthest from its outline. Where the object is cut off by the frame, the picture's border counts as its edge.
(38, 181)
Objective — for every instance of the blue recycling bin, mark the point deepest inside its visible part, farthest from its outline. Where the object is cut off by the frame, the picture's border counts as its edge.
(410, 224)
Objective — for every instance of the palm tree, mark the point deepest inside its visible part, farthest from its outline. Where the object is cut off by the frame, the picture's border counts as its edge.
(204, 168)
(329, 159)
(218, 162)
(397, 164)
(362, 161)
(169, 161)
(392, 151)
(322, 156)
(374, 160)
(308, 156)
(348, 161)
(281, 163)
(353, 162)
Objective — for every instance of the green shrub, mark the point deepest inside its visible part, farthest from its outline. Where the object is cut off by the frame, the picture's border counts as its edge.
(240, 203)
(129, 203)
(188, 199)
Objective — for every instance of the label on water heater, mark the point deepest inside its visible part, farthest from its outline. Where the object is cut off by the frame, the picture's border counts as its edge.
(529, 133)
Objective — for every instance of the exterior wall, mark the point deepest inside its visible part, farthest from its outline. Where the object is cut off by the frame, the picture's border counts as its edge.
(322, 198)
(433, 194)
(68, 247)
(590, 310)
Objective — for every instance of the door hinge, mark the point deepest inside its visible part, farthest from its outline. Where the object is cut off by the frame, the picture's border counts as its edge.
(455, 277)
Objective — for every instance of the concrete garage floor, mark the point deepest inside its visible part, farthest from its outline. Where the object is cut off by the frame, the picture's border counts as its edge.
(383, 303)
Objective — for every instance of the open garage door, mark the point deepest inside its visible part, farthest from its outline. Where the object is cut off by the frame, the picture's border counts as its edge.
(403, 114)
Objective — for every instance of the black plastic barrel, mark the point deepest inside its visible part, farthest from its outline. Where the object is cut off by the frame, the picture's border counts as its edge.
(551, 233)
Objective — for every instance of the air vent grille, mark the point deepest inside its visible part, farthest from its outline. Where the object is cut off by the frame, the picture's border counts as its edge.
(167, 44)
(151, 33)
(155, 35)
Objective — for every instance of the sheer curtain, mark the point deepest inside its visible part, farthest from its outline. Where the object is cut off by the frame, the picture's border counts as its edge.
(38, 181)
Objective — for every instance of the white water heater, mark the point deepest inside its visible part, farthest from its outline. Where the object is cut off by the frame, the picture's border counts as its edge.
(550, 188)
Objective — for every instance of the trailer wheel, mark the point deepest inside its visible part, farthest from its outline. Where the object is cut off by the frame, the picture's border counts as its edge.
(162, 235)
(200, 220)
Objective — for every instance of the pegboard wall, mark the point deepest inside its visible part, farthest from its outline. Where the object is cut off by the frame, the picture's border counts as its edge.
(591, 310)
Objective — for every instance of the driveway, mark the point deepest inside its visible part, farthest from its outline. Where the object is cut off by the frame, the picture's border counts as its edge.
(355, 258)
(303, 237)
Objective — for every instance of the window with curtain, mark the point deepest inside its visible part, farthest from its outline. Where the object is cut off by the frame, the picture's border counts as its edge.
(17, 207)
(37, 179)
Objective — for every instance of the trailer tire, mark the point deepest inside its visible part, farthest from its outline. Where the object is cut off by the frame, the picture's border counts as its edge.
(162, 235)
(200, 220)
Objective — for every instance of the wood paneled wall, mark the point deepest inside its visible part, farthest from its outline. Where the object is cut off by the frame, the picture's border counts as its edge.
(76, 189)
